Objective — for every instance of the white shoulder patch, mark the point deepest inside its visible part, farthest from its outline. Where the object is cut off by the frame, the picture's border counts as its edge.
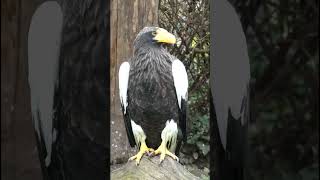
(180, 79)
(123, 83)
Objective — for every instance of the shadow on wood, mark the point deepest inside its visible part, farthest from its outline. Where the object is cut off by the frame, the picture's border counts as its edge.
(149, 168)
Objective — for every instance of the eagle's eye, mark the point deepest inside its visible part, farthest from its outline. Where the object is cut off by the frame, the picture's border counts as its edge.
(154, 33)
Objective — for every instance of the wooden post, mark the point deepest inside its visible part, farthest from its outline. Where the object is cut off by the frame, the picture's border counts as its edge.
(149, 168)
(127, 19)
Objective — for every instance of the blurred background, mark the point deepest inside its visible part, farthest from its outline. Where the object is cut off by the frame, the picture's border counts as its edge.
(283, 45)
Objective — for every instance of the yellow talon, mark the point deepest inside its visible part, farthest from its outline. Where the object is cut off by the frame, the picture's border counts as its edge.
(163, 151)
(143, 149)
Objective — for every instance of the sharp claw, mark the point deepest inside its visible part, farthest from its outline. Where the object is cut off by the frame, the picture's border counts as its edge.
(152, 154)
(143, 150)
(163, 151)
(160, 161)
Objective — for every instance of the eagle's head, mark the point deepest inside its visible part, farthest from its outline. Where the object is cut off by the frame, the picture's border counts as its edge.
(153, 37)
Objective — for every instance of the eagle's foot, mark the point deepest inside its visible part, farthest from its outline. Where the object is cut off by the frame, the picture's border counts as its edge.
(143, 149)
(163, 151)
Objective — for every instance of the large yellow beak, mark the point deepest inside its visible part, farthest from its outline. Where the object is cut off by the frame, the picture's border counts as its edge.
(163, 36)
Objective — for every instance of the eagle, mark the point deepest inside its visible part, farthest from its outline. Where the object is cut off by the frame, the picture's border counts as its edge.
(153, 88)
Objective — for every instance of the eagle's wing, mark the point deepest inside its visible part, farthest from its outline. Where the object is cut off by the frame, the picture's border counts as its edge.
(43, 59)
(124, 72)
(180, 79)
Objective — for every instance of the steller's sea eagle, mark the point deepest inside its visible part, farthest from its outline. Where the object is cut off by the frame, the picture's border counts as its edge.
(153, 87)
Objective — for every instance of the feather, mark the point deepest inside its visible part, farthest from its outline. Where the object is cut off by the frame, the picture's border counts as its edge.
(123, 84)
(180, 79)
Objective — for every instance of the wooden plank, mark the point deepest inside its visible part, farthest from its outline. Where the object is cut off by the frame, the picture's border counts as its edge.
(149, 168)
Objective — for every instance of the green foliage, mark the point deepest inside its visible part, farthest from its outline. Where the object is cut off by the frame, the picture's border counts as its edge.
(199, 134)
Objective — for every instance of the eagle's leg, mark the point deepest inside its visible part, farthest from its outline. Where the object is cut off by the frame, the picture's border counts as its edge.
(140, 139)
(143, 149)
(169, 137)
(163, 151)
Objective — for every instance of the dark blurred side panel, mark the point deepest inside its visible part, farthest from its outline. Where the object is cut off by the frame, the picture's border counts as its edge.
(81, 103)
(283, 46)
(19, 155)
(82, 99)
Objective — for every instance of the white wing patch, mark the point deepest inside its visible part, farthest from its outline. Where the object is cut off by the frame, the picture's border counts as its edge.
(170, 133)
(138, 133)
(123, 84)
(180, 79)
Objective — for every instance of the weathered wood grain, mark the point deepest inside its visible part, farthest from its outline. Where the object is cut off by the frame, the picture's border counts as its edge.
(149, 168)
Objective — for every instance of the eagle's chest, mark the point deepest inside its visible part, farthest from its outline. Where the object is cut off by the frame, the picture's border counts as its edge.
(151, 90)
(152, 98)
(151, 80)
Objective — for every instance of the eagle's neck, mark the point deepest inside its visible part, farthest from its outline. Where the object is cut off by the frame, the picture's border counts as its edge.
(151, 58)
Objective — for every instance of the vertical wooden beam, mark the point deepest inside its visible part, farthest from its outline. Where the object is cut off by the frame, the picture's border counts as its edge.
(127, 19)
